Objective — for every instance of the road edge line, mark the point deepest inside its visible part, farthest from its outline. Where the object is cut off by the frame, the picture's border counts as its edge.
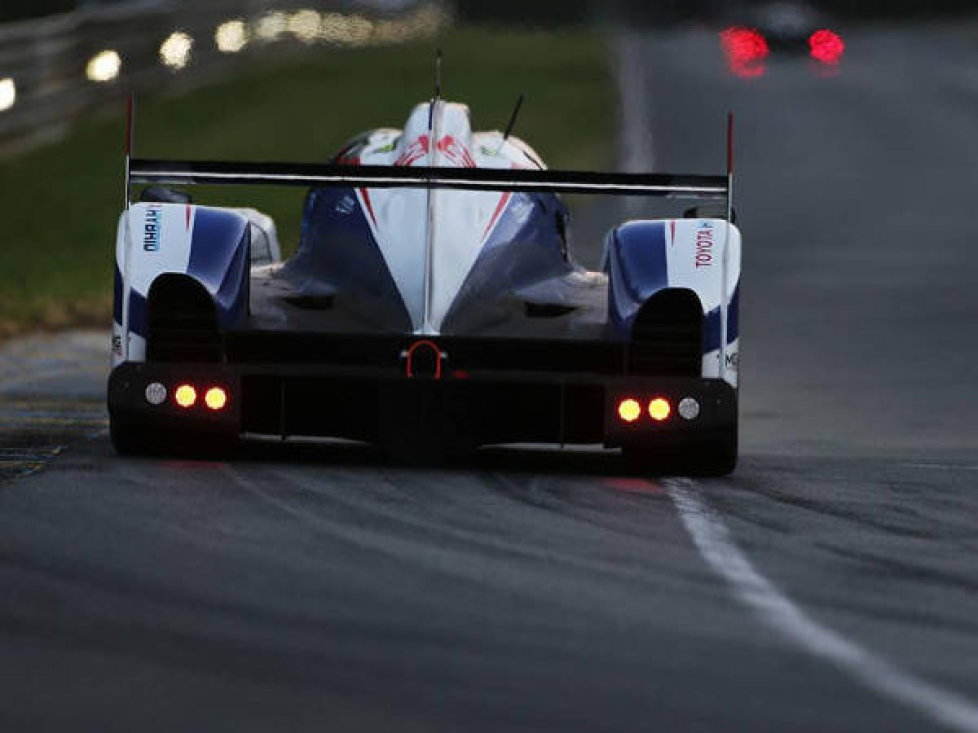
(714, 542)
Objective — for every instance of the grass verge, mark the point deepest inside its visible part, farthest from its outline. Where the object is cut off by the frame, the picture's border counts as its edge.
(60, 203)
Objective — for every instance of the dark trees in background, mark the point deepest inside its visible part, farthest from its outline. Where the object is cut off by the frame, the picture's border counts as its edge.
(25, 9)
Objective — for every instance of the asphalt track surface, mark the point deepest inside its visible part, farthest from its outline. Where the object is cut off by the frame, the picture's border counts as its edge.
(830, 584)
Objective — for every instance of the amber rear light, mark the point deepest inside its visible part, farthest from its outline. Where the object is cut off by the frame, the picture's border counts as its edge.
(185, 396)
(216, 398)
(629, 410)
(659, 409)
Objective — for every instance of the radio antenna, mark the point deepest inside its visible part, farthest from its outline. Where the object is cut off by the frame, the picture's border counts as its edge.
(438, 74)
(434, 100)
(128, 149)
(512, 118)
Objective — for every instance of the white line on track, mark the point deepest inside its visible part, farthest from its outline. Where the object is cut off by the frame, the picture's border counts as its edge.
(712, 538)
(710, 534)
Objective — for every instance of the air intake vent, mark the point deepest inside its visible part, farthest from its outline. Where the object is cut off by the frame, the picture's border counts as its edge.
(182, 322)
(667, 336)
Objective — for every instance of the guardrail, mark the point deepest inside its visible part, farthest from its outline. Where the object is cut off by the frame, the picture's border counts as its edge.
(56, 69)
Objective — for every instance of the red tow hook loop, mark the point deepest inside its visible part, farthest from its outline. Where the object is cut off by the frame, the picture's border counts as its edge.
(424, 344)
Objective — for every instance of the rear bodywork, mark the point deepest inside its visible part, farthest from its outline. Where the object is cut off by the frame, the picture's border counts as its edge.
(433, 297)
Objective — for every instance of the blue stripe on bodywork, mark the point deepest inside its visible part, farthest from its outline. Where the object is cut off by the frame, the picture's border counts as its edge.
(523, 248)
(733, 315)
(713, 327)
(215, 237)
(637, 269)
(712, 331)
(219, 261)
(337, 251)
(117, 287)
(138, 314)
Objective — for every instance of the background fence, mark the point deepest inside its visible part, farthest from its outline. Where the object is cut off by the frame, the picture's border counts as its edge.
(54, 69)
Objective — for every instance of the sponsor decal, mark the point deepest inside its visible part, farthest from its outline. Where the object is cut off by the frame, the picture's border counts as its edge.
(733, 361)
(152, 229)
(117, 345)
(456, 152)
(704, 245)
(414, 152)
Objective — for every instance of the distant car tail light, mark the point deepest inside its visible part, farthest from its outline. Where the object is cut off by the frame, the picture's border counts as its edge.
(185, 396)
(826, 46)
(216, 398)
(746, 50)
(629, 410)
(659, 409)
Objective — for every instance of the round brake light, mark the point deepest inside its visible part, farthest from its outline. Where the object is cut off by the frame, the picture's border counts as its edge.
(216, 398)
(629, 410)
(185, 396)
(659, 409)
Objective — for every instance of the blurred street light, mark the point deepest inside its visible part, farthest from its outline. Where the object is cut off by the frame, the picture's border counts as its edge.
(304, 25)
(8, 94)
(231, 36)
(104, 66)
(175, 50)
(271, 26)
(346, 30)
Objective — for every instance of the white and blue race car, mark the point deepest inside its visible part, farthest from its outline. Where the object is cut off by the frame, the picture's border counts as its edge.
(432, 301)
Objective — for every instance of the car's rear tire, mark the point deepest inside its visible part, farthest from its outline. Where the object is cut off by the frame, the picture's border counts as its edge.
(713, 455)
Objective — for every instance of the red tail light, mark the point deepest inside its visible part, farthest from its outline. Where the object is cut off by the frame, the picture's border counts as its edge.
(216, 399)
(746, 50)
(826, 46)
(629, 410)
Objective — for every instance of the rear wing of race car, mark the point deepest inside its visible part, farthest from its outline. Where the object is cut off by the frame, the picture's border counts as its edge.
(167, 172)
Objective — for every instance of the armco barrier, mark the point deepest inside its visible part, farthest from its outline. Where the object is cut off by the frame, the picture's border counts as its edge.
(55, 69)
